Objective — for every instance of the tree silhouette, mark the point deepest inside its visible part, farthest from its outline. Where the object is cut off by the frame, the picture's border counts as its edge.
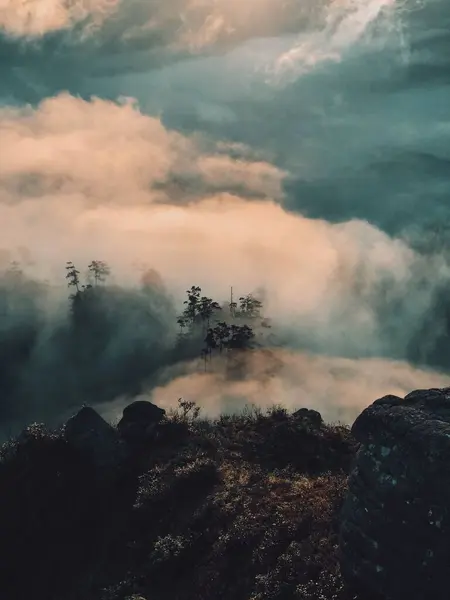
(87, 305)
(210, 340)
(204, 354)
(81, 300)
(192, 304)
(182, 322)
(232, 305)
(220, 334)
(73, 281)
(250, 306)
(210, 344)
(73, 276)
(226, 334)
(229, 336)
(98, 271)
(240, 337)
(206, 308)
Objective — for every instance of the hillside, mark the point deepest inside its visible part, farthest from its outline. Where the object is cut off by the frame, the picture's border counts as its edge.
(243, 507)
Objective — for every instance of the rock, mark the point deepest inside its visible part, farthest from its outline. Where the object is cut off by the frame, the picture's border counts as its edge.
(313, 417)
(139, 422)
(89, 433)
(395, 526)
(143, 410)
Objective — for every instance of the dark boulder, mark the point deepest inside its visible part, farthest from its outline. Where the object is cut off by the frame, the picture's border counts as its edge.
(139, 422)
(307, 415)
(395, 527)
(90, 434)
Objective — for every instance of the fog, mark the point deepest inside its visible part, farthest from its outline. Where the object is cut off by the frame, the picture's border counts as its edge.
(299, 149)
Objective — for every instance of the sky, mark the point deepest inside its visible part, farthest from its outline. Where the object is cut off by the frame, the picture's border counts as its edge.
(300, 147)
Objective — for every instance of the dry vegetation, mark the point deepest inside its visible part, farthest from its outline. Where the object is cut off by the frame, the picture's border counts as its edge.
(243, 508)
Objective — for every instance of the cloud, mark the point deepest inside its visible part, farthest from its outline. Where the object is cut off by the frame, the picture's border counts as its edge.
(106, 152)
(84, 180)
(48, 366)
(190, 24)
(337, 387)
(362, 137)
(54, 45)
(34, 18)
(98, 179)
(345, 24)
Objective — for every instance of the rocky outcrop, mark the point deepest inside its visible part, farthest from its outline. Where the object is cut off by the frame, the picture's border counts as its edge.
(139, 422)
(395, 528)
(90, 434)
(107, 446)
(309, 416)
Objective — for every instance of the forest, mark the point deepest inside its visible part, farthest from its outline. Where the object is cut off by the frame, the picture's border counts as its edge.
(102, 340)
(233, 326)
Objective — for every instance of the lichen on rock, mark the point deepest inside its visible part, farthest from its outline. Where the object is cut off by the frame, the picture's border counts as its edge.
(395, 527)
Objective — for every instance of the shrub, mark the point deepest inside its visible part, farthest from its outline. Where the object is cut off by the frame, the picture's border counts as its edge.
(244, 507)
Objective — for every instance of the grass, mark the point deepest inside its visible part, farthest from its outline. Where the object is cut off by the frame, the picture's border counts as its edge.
(245, 507)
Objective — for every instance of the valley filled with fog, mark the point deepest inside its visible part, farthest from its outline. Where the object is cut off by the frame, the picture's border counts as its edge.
(297, 150)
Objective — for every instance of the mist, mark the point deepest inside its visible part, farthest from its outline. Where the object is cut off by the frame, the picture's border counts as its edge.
(301, 151)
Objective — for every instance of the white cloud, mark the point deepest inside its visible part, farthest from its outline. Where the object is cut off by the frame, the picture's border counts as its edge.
(38, 17)
(346, 23)
(337, 387)
(106, 151)
(83, 180)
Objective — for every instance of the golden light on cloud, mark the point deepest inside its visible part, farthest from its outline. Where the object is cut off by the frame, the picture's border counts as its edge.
(38, 17)
(84, 179)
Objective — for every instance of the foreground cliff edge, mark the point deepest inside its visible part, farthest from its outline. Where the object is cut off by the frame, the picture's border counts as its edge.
(395, 526)
(251, 506)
